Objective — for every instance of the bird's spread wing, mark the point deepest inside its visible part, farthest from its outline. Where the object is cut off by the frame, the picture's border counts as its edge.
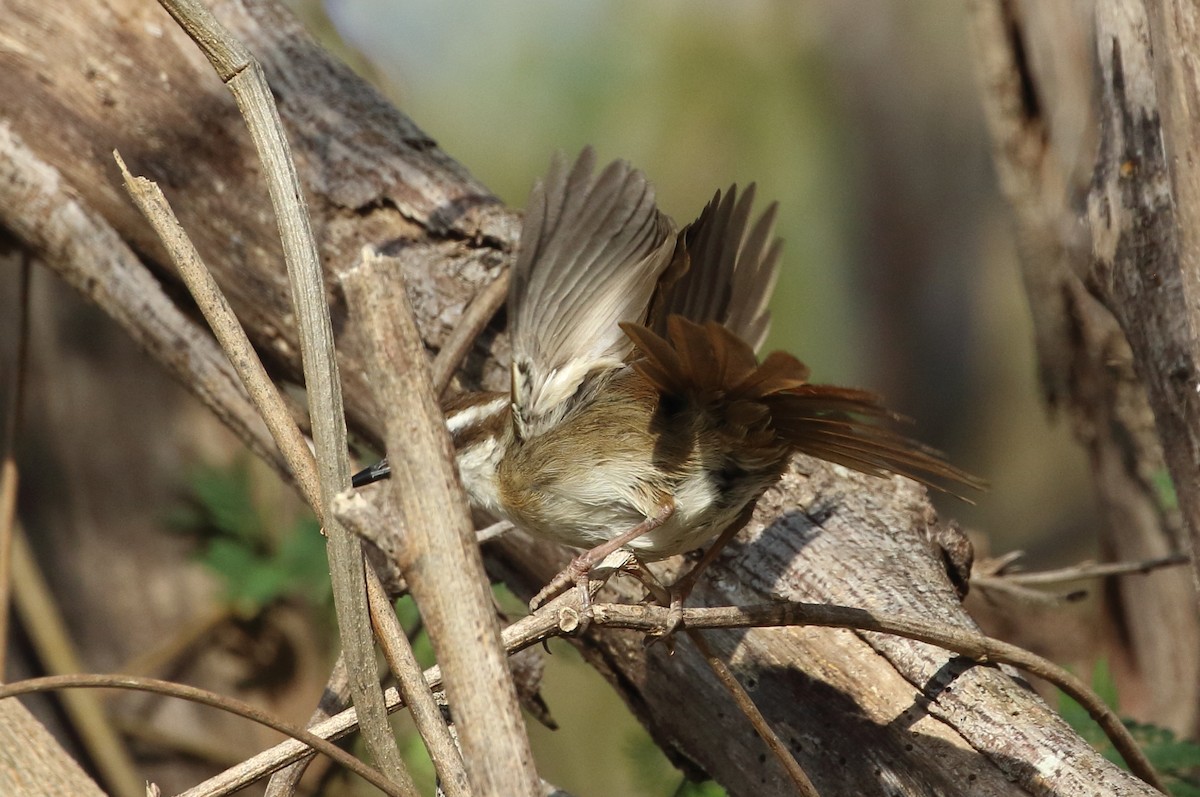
(729, 272)
(591, 252)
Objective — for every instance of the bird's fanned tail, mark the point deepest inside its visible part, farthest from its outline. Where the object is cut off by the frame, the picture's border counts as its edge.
(845, 426)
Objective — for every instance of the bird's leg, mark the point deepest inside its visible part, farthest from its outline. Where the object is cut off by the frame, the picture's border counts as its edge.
(682, 588)
(579, 571)
(637, 569)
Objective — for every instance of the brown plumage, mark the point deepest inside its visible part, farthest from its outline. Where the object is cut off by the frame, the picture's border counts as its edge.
(774, 407)
(639, 415)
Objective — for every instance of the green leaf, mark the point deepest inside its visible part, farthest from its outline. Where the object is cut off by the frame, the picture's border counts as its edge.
(259, 561)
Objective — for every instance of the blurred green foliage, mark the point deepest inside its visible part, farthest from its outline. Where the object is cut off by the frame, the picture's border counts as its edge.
(258, 557)
(1177, 760)
(1164, 488)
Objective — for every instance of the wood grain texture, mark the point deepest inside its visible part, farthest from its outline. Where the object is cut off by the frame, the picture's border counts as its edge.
(865, 714)
(1068, 91)
(31, 762)
(438, 555)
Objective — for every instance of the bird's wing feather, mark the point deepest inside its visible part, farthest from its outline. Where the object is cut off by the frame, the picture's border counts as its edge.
(591, 252)
(730, 270)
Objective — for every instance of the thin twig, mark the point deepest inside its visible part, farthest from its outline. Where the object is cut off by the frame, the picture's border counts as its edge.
(425, 712)
(195, 695)
(804, 786)
(474, 318)
(244, 77)
(994, 576)
(989, 586)
(545, 623)
(1089, 570)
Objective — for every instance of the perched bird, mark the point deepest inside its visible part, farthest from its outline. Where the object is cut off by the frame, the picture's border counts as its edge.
(639, 416)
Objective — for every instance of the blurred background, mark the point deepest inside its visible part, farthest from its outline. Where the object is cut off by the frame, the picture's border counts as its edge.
(861, 117)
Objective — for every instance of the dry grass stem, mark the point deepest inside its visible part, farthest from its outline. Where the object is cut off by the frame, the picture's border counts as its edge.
(244, 77)
(426, 714)
(42, 620)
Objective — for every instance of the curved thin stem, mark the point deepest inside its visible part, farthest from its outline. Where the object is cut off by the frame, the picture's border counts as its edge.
(54, 682)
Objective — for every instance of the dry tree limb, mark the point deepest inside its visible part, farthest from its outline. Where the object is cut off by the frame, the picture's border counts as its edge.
(244, 77)
(974, 646)
(438, 555)
(1069, 95)
(1172, 356)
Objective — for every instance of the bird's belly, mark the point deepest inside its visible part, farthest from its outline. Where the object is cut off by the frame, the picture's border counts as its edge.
(608, 501)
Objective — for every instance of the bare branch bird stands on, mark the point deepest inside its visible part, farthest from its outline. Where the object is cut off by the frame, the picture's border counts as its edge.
(639, 416)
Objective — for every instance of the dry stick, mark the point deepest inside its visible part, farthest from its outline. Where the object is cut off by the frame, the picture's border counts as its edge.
(1089, 570)
(426, 713)
(207, 698)
(8, 456)
(438, 556)
(220, 317)
(1020, 585)
(244, 77)
(228, 331)
(474, 318)
(35, 604)
(545, 623)
(804, 786)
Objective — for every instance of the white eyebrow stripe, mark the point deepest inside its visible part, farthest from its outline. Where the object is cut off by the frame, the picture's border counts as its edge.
(469, 416)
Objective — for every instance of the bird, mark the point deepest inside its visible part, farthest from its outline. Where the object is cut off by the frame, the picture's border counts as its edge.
(639, 416)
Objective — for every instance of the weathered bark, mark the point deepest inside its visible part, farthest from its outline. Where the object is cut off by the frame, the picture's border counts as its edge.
(1099, 235)
(32, 763)
(862, 712)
